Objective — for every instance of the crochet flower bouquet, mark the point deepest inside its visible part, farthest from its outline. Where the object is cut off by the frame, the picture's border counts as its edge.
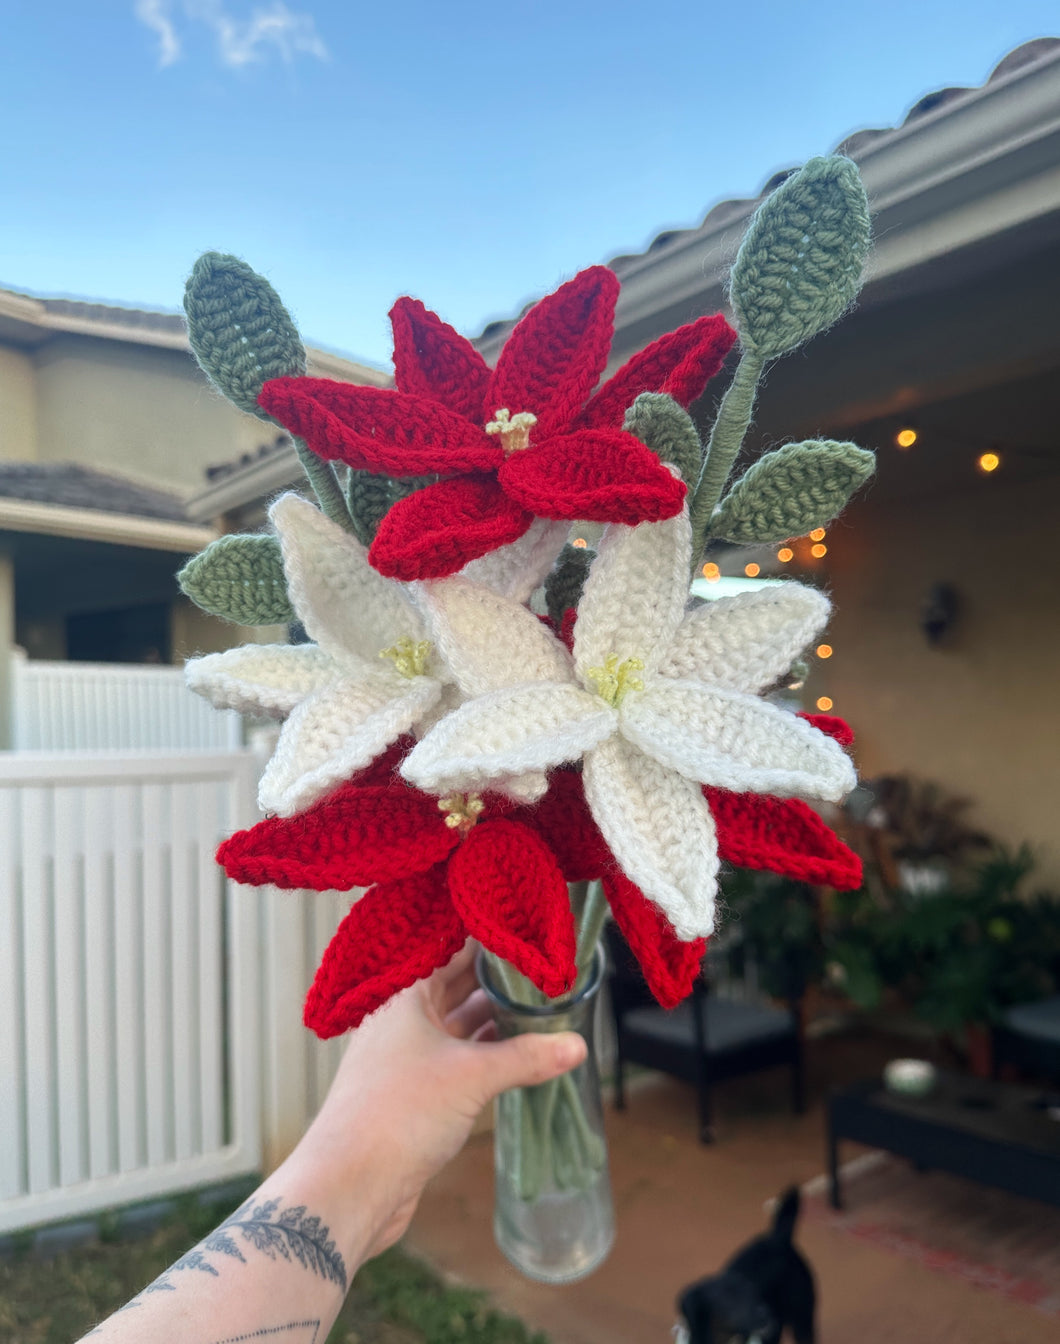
(484, 770)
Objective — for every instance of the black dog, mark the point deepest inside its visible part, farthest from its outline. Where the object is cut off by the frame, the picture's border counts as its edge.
(764, 1288)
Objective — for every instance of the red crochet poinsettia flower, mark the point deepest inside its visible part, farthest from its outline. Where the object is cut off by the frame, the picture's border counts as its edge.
(522, 440)
(443, 870)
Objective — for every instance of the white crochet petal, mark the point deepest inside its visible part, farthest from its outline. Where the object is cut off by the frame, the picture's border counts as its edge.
(747, 641)
(267, 679)
(635, 594)
(660, 830)
(340, 599)
(517, 569)
(336, 732)
(506, 734)
(488, 641)
(735, 741)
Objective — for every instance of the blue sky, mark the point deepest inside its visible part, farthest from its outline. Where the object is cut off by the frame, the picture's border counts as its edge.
(471, 154)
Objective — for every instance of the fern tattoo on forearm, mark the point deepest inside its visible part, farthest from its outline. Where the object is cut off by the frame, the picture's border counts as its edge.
(292, 1235)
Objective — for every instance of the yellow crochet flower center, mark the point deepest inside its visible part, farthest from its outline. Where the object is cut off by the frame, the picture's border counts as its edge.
(616, 679)
(462, 809)
(513, 429)
(410, 659)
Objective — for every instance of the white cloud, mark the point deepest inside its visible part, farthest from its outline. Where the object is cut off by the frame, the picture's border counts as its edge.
(270, 30)
(155, 14)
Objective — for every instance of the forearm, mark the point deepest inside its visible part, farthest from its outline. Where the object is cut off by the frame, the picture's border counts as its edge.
(277, 1270)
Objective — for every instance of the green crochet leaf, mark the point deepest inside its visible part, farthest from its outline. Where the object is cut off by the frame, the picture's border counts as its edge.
(241, 579)
(241, 333)
(789, 492)
(799, 266)
(669, 431)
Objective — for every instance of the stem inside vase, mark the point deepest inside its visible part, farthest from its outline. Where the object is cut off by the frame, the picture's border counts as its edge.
(553, 1216)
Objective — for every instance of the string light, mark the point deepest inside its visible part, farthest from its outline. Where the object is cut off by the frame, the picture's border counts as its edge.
(752, 570)
(817, 534)
(905, 438)
(785, 554)
(711, 572)
(819, 550)
(579, 542)
(824, 703)
(988, 462)
(824, 650)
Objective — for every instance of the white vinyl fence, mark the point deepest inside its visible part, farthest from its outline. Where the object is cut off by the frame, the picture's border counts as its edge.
(113, 706)
(130, 1008)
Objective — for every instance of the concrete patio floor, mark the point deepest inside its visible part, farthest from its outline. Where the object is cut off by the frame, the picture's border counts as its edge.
(683, 1208)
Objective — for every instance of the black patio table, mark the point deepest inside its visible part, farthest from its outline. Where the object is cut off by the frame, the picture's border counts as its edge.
(994, 1133)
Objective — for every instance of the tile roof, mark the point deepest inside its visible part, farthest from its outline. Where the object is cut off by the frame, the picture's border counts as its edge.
(71, 486)
(854, 146)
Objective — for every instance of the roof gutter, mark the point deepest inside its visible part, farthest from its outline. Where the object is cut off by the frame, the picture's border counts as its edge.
(118, 529)
(256, 481)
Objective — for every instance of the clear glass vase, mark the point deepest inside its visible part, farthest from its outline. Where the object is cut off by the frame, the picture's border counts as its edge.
(553, 1217)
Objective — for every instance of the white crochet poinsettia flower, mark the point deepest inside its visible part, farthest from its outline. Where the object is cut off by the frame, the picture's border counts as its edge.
(655, 702)
(371, 673)
(369, 676)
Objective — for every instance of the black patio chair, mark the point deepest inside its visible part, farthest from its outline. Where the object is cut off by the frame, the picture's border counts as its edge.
(1029, 1037)
(705, 1040)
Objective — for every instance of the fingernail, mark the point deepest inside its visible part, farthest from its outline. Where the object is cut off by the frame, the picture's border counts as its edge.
(570, 1051)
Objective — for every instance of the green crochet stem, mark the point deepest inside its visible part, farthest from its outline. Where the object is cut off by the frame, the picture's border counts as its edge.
(726, 439)
(590, 926)
(322, 478)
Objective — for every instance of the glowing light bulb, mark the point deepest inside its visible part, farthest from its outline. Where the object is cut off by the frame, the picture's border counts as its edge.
(711, 572)
(819, 550)
(989, 462)
(817, 534)
(905, 438)
(752, 570)
(824, 650)
(785, 554)
(579, 542)
(824, 703)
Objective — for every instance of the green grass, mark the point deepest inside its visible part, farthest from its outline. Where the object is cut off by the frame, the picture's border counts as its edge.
(394, 1299)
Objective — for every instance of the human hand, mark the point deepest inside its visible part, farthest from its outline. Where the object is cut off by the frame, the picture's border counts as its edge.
(412, 1080)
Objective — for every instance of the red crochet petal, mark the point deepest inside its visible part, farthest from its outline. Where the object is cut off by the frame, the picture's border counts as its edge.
(378, 429)
(397, 933)
(781, 835)
(432, 360)
(555, 356)
(670, 966)
(357, 835)
(595, 476)
(566, 628)
(833, 726)
(437, 530)
(383, 770)
(680, 364)
(563, 820)
(507, 887)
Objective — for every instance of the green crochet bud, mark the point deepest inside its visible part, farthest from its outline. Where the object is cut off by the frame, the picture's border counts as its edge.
(564, 584)
(669, 431)
(799, 266)
(241, 333)
(789, 492)
(241, 579)
(369, 498)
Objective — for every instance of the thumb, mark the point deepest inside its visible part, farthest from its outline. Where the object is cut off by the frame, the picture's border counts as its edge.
(524, 1061)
